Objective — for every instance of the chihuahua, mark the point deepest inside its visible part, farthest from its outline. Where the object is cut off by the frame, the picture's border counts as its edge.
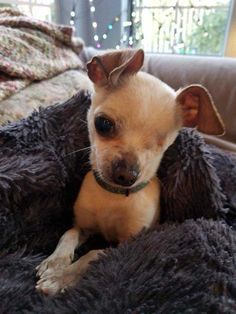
(134, 117)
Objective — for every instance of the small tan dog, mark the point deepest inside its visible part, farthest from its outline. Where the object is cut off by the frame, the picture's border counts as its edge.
(133, 119)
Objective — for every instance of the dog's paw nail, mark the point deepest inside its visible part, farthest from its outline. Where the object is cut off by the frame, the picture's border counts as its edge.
(38, 274)
(40, 281)
(43, 270)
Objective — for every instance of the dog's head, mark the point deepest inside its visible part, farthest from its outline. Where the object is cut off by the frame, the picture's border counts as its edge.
(134, 117)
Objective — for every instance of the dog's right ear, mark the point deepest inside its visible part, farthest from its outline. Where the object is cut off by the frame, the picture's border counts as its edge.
(107, 69)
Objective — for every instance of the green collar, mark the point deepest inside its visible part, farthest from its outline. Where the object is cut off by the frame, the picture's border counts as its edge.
(118, 190)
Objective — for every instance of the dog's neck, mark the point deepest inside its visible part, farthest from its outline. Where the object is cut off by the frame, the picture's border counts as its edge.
(117, 189)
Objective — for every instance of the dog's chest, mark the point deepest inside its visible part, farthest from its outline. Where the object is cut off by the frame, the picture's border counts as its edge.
(116, 216)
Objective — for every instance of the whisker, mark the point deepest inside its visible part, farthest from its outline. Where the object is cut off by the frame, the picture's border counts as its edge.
(79, 150)
(161, 183)
(85, 122)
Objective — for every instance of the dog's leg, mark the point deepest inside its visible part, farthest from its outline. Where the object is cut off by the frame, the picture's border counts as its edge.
(63, 254)
(64, 278)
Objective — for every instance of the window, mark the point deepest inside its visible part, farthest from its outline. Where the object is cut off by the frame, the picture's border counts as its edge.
(180, 26)
(40, 9)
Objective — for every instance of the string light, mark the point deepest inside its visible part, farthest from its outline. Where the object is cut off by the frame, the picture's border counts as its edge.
(72, 14)
(127, 24)
(99, 39)
(126, 39)
(96, 38)
(94, 24)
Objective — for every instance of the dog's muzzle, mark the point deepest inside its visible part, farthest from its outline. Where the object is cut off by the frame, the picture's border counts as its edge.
(124, 173)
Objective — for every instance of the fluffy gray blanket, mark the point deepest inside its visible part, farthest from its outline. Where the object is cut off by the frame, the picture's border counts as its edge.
(186, 265)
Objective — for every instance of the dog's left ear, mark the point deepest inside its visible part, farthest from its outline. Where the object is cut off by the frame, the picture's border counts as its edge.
(198, 110)
(107, 69)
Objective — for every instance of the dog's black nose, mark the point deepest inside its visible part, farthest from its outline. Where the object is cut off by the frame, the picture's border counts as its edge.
(124, 174)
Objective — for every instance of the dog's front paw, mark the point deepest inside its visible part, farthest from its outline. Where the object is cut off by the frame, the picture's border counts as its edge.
(50, 283)
(58, 281)
(53, 263)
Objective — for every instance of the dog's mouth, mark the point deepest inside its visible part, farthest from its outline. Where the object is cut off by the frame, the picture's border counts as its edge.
(113, 187)
(125, 181)
(121, 182)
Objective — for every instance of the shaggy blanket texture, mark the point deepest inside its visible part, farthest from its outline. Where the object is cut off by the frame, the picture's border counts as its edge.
(186, 265)
(33, 50)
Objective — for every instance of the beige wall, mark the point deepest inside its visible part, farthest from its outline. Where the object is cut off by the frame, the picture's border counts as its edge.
(230, 49)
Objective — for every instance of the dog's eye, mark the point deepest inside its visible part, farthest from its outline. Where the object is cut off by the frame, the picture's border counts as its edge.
(104, 126)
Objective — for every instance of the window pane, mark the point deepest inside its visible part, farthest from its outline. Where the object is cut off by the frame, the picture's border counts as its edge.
(41, 13)
(183, 26)
(24, 9)
(44, 2)
(40, 9)
(151, 3)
